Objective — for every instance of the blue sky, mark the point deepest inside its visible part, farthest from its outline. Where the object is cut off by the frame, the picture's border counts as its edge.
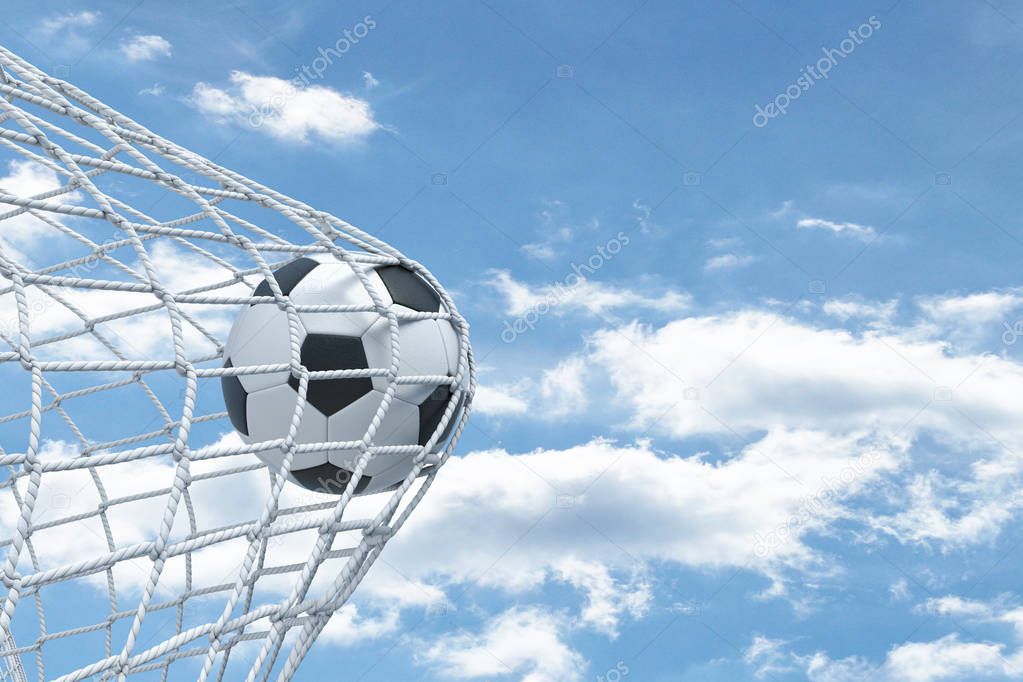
(773, 434)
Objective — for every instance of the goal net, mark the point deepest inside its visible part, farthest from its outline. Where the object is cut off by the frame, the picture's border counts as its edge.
(139, 535)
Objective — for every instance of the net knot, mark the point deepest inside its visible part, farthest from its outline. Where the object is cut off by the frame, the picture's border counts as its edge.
(10, 580)
(377, 535)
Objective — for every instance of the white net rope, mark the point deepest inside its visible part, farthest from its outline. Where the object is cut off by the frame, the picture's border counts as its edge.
(142, 538)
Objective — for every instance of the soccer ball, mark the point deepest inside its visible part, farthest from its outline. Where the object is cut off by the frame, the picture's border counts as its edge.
(261, 406)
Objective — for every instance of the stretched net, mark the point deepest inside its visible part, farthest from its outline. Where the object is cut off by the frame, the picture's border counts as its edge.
(142, 537)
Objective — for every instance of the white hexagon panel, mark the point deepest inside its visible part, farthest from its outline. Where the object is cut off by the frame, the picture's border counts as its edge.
(399, 426)
(269, 413)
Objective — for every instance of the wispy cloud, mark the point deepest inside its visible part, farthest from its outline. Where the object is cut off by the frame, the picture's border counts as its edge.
(143, 48)
(56, 23)
(727, 261)
(586, 296)
(856, 230)
(557, 231)
(66, 32)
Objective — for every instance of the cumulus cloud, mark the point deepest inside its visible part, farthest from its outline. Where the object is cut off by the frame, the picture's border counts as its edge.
(144, 48)
(735, 374)
(745, 498)
(276, 107)
(973, 321)
(560, 390)
(564, 387)
(501, 399)
(756, 367)
(557, 497)
(348, 627)
(947, 658)
(525, 641)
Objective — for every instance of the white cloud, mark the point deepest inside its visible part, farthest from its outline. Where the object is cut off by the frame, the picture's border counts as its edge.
(587, 296)
(999, 611)
(155, 90)
(144, 48)
(899, 590)
(26, 178)
(54, 24)
(756, 368)
(971, 309)
(277, 107)
(493, 497)
(768, 656)
(559, 391)
(727, 261)
(564, 387)
(953, 512)
(139, 336)
(852, 308)
(347, 627)
(952, 605)
(526, 641)
(812, 404)
(608, 599)
(557, 231)
(988, 319)
(864, 232)
(787, 207)
(369, 80)
(643, 220)
(501, 399)
(946, 658)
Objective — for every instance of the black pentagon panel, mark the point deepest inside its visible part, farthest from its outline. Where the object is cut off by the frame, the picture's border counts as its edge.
(327, 478)
(235, 399)
(324, 352)
(431, 411)
(288, 276)
(409, 289)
